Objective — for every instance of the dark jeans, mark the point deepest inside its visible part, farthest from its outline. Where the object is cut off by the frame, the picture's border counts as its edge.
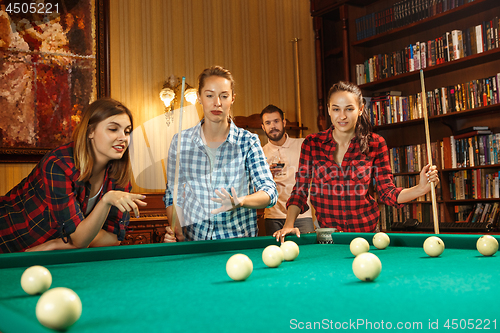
(305, 225)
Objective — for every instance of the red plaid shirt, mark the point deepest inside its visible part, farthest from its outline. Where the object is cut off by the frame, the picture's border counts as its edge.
(340, 193)
(51, 202)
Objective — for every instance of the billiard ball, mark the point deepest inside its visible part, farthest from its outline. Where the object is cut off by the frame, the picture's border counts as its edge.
(58, 308)
(290, 250)
(36, 280)
(487, 245)
(359, 245)
(239, 267)
(381, 240)
(433, 246)
(272, 256)
(366, 266)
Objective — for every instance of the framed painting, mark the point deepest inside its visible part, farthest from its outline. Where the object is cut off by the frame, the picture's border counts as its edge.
(53, 62)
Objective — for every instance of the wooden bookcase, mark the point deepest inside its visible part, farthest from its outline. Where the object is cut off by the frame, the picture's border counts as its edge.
(341, 16)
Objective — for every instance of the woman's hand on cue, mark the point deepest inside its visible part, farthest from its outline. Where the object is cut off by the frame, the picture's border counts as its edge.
(125, 201)
(171, 237)
(428, 175)
(280, 234)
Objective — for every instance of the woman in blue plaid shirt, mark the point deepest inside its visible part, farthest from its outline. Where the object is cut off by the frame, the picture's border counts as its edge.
(223, 176)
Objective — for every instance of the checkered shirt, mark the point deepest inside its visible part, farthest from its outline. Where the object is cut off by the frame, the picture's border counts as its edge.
(50, 203)
(340, 193)
(239, 163)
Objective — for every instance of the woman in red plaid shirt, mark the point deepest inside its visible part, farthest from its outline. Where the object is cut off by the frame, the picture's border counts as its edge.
(78, 194)
(337, 166)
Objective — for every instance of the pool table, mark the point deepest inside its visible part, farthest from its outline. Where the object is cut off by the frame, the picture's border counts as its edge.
(184, 288)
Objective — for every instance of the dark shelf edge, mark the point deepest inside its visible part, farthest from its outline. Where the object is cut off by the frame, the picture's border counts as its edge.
(459, 114)
(425, 24)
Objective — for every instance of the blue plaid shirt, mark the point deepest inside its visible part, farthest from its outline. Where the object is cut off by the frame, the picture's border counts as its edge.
(239, 163)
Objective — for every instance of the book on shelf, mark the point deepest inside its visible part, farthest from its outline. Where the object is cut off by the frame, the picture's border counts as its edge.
(494, 212)
(402, 13)
(477, 212)
(449, 46)
(388, 107)
(474, 184)
(486, 210)
(415, 210)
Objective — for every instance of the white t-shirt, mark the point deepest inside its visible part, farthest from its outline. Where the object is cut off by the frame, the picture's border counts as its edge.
(289, 154)
(92, 202)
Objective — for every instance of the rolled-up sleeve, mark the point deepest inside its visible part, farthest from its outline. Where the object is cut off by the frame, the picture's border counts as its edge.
(260, 174)
(64, 208)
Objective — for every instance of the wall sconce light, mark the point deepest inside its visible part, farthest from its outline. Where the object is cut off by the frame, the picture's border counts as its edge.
(190, 95)
(169, 93)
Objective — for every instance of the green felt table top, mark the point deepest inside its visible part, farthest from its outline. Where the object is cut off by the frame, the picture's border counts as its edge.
(185, 288)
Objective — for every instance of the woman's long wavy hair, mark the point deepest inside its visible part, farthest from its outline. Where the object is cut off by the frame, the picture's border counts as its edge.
(84, 154)
(363, 128)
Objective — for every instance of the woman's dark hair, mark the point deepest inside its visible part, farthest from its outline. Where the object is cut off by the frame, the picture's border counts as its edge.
(363, 128)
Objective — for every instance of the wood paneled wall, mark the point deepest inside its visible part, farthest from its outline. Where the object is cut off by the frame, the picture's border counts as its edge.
(153, 39)
(12, 173)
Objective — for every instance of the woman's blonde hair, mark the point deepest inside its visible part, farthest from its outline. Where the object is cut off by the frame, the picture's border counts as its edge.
(84, 154)
(215, 71)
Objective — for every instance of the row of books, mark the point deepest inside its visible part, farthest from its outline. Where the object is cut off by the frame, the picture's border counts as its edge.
(474, 184)
(390, 108)
(479, 213)
(420, 211)
(413, 180)
(469, 150)
(450, 46)
(474, 148)
(402, 13)
(412, 158)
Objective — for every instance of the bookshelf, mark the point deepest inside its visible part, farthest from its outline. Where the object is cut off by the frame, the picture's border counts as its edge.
(330, 22)
(431, 25)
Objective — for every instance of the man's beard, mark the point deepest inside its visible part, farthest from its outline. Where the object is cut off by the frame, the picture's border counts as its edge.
(277, 138)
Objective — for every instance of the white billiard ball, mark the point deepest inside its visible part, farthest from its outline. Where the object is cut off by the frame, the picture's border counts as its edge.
(290, 250)
(272, 256)
(36, 280)
(366, 266)
(359, 245)
(58, 308)
(434, 246)
(381, 240)
(239, 267)
(487, 245)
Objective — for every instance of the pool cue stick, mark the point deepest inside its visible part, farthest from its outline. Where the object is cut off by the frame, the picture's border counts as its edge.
(295, 42)
(178, 157)
(429, 153)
